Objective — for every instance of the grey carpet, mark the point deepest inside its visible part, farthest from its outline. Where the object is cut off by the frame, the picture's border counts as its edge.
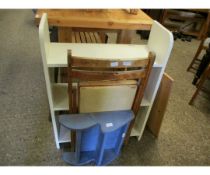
(26, 135)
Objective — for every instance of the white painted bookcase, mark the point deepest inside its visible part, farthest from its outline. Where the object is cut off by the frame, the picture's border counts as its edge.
(55, 55)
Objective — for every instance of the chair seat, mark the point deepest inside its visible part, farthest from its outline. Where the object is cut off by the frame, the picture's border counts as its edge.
(86, 37)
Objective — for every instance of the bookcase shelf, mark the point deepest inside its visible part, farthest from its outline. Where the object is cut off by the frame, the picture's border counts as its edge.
(54, 55)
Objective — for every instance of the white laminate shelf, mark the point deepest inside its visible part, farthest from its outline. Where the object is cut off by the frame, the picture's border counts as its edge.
(140, 121)
(136, 130)
(57, 52)
(60, 97)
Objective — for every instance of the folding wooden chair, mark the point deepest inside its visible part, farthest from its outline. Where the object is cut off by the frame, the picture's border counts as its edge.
(89, 72)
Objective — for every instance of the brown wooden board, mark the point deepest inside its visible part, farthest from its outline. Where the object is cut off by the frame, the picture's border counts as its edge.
(159, 106)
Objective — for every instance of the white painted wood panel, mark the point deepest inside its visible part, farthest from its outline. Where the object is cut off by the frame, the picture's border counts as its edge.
(44, 40)
(160, 42)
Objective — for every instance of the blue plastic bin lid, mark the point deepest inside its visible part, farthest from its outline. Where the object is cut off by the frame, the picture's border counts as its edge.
(109, 121)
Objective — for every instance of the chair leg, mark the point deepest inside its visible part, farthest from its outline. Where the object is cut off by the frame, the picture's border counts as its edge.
(196, 55)
(200, 84)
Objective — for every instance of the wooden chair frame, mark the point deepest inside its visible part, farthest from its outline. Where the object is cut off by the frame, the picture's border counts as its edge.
(99, 70)
(201, 45)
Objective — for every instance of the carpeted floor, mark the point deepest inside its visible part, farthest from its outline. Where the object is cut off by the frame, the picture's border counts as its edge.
(26, 136)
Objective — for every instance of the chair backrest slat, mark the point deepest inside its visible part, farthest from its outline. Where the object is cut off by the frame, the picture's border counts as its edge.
(107, 75)
(93, 63)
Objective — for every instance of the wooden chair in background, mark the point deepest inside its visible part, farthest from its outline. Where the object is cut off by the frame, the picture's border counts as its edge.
(200, 84)
(107, 85)
(196, 61)
(205, 40)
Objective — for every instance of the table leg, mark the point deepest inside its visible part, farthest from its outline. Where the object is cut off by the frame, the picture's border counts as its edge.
(125, 36)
